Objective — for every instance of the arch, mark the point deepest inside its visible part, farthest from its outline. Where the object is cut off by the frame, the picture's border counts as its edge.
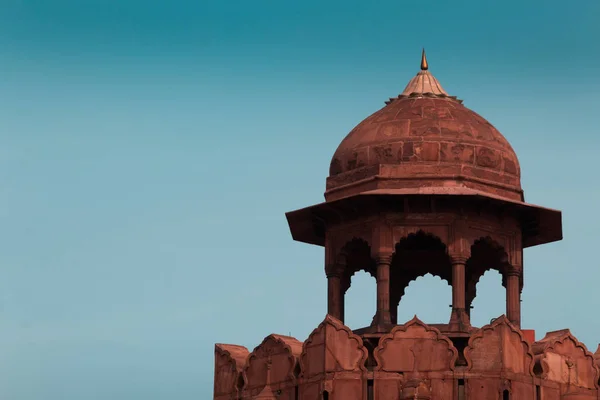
(360, 300)
(272, 362)
(355, 256)
(229, 362)
(332, 347)
(415, 255)
(597, 359)
(486, 254)
(560, 352)
(487, 306)
(415, 347)
(428, 296)
(499, 346)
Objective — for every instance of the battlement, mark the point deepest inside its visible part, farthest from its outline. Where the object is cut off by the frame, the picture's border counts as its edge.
(413, 359)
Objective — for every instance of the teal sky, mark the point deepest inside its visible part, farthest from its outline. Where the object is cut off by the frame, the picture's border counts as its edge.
(149, 151)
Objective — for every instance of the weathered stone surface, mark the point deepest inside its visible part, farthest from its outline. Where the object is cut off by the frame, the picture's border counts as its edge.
(423, 186)
(414, 347)
(330, 348)
(229, 362)
(499, 346)
(272, 363)
(430, 131)
(562, 358)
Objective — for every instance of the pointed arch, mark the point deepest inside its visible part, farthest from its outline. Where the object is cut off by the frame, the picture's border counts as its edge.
(491, 283)
(360, 301)
(229, 362)
(512, 352)
(355, 256)
(486, 254)
(561, 351)
(418, 298)
(332, 347)
(416, 255)
(597, 358)
(277, 353)
(415, 346)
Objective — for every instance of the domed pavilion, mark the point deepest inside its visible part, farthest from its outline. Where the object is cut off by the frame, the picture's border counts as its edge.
(422, 186)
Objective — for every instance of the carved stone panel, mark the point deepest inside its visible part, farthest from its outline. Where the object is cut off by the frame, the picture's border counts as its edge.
(332, 347)
(413, 347)
(272, 363)
(499, 346)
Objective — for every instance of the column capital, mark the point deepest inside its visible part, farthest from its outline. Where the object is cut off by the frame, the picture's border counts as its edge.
(383, 258)
(334, 274)
(334, 269)
(458, 258)
(513, 270)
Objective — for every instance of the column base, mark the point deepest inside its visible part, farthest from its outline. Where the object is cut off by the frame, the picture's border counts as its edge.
(459, 321)
(382, 319)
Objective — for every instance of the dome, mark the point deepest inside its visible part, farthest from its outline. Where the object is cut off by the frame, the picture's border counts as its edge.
(424, 139)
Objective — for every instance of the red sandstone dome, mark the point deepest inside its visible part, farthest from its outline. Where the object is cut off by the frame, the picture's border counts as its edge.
(425, 139)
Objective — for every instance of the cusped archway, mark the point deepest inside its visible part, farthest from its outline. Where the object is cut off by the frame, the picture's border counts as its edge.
(416, 255)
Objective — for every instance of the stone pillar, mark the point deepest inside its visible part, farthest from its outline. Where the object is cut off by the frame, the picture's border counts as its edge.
(383, 317)
(335, 296)
(513, 294)
(459, 318)
(393, 314)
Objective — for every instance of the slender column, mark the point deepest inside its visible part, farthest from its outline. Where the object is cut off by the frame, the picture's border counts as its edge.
(513, 295)
(394, 314)
(342, 305)
(335, 297)
(383, 317)
(459, 319)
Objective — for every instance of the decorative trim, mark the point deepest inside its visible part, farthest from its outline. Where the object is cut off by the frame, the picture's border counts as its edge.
(403, 328)
(338, 326)
(552, 339)
(236, 357)
(383, 258)
(279, 340)
(478, 335)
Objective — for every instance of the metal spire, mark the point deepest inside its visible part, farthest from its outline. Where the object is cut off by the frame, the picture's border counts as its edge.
(424, 65)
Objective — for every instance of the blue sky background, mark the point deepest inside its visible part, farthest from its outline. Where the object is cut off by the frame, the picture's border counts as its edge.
(149, 151)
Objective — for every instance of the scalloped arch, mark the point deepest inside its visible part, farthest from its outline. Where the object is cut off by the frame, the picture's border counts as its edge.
(549, 344)
(229, 362)
(332, 347)
(404, 284)
(478, 265)
(415, 346)
(273, 346)
(504, 336)
(439, 260)
(420, 235)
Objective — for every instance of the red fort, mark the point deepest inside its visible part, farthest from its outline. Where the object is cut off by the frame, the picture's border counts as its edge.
(423, 185)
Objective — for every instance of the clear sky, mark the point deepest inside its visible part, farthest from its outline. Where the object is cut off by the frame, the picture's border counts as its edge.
(149, 151)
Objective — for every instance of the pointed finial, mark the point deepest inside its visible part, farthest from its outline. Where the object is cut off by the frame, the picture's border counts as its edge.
(424, 65)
